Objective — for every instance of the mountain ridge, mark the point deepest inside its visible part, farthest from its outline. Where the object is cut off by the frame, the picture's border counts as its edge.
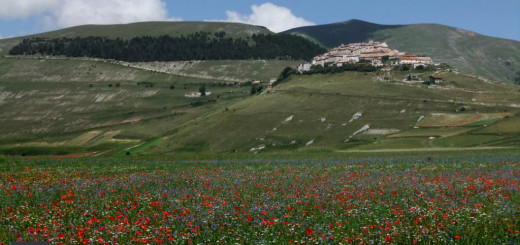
(468, 51)
(152, 28)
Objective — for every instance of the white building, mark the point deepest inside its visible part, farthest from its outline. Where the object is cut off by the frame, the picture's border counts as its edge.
(304, 67)
(195, 94)
(372, 51)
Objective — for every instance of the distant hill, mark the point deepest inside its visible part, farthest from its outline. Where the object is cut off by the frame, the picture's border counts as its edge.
(210, 43)
(494, 58)
(128, 31)
(156, 28)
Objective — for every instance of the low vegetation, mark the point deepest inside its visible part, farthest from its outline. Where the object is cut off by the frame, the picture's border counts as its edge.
(331, 69)
(398, 200)
(321, 107)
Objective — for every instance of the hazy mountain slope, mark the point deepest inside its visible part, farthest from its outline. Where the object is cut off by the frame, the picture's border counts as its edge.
(332, 35)
(471, 52)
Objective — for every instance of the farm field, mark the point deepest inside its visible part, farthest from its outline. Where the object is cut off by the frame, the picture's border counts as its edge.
(387, 199)
(447, 120)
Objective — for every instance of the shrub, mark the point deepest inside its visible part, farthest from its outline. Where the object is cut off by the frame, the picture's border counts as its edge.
(202, 90)
(256, 89)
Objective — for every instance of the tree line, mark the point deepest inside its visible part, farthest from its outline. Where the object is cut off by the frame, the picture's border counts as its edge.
(195, 46)
(331, 69)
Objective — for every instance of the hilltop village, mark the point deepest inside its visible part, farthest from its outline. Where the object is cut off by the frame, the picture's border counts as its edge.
(374, 53)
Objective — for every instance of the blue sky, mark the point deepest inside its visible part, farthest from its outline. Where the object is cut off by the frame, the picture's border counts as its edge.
(500, 18)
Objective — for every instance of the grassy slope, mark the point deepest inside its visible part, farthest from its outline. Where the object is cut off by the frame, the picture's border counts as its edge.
(48, 105)
(52, 101)
(230, 70)
(490, 57)
(244, 70)
(68, 116)
(321, 106)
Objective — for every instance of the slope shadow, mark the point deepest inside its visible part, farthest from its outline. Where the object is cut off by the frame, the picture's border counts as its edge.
(332, 35)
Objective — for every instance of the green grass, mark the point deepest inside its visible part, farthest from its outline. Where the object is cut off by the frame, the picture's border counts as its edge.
(507, 126)
(468, 140)
(39, 151)
(427, 132)
(259, 120)
(41, 112)
(238, 70)
(397, 143)
(140, 147)
(20, 69)
(43, 99)
(461, 119)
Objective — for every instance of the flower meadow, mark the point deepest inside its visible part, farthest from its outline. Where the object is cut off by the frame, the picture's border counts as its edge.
(117, 201)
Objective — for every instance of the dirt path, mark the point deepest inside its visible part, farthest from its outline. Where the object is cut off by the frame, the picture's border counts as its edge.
(74, 155)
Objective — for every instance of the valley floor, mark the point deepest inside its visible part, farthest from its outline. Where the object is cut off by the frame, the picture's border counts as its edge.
(454, 198)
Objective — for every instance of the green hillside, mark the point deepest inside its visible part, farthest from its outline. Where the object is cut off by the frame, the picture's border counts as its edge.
(323, 112)
(229, 70)
(59, 113)
(62, 100)
(490, 57)
(59, 105)
(128, 31)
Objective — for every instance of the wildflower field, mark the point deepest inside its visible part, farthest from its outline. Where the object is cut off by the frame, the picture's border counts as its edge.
(364, 201)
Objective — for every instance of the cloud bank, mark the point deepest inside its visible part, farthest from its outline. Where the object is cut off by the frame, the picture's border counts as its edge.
(66, 13)
(25, 8)
(275, 18)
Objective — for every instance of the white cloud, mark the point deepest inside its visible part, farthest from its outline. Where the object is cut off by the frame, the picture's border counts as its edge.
(24, 8)
(275, 18)
(66, 13)
(78, 12)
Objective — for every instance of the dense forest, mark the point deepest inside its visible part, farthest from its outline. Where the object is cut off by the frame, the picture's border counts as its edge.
(331, 69)
(196, 46)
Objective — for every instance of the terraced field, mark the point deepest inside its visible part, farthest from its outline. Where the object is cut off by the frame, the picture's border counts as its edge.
(457, 120)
